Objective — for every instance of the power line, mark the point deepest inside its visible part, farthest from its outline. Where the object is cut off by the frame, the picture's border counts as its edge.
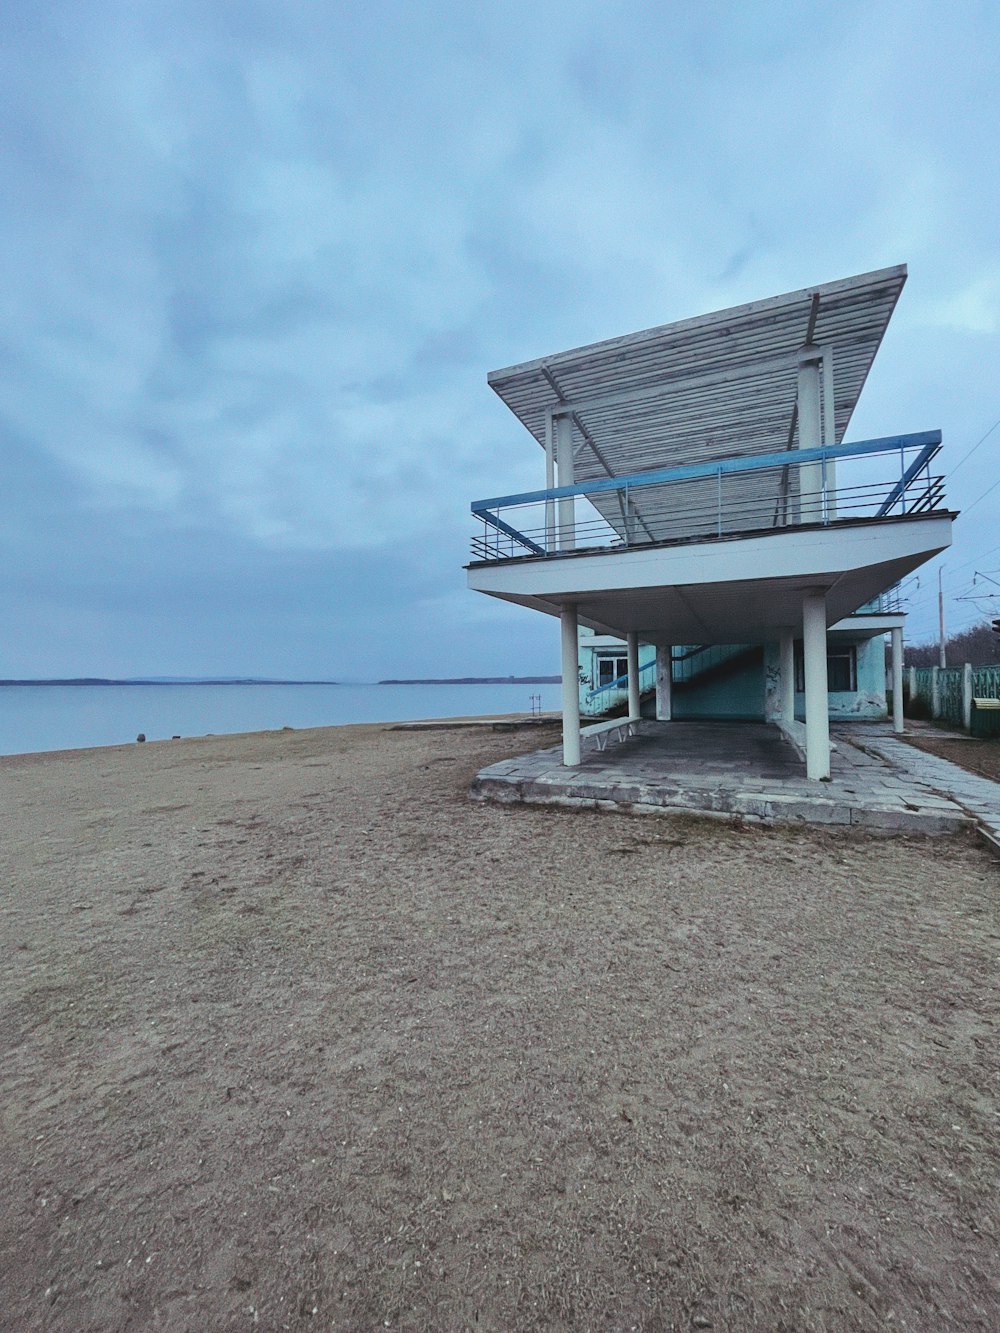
(982, 497)
(952, 570)
(975, 447)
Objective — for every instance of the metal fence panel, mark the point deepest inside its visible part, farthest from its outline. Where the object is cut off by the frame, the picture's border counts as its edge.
(950, 694)
(986, 682)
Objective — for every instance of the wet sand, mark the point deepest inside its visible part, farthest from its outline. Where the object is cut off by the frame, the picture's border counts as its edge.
(294, 1035)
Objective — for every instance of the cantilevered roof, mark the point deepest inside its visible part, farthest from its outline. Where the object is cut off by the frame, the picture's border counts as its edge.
(716, 386)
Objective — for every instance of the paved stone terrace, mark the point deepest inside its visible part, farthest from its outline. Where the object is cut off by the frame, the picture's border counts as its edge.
(748, 771)
(979, 797)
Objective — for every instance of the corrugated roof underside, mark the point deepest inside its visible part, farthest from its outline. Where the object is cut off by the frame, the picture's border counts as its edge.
(715, 417)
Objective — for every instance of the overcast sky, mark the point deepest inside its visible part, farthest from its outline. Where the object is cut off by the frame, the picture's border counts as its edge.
(259, 257)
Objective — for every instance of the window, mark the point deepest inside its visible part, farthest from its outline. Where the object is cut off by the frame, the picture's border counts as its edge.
(841, 669)
(610, 669)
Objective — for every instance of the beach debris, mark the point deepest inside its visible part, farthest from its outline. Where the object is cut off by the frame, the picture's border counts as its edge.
(175, 738)
(140, 738)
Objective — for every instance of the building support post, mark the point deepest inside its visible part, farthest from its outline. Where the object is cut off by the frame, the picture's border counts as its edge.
(829, 432)
(567, 477)
(787, 648)
(810, 434)
(570, 686)
(817, 688)
(897, 680)
(664, 682)
(632, 649)
(550, 481)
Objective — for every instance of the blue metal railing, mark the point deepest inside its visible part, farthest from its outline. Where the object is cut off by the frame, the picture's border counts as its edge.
(703, 512)
(621, 683)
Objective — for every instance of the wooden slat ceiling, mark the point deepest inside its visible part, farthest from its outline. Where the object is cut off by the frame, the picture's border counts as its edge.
(708, 420)
(732, 404)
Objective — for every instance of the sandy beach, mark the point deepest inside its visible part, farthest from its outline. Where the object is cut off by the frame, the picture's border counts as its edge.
(293, 1034)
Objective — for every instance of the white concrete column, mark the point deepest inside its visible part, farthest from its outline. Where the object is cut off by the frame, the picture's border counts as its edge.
(664, 682)
(567, 477)
(570, 686)
(817, 688)
(550, 481)
(897, 679)
(913, 684)
(935, 693)
(810, 434)
(787, 649)
(632, 649)
(967, 696)
(829, 431)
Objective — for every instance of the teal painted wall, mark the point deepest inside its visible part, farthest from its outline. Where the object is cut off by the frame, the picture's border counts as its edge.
(739, 695)
(869, 700)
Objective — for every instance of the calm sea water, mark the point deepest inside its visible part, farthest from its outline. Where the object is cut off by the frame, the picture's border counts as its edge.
(66, 717)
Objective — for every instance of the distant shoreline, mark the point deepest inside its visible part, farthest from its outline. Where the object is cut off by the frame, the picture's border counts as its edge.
(252, 680)
(172, 680)
(479, 680)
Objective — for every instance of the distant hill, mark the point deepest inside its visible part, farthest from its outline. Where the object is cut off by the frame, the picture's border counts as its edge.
(479, 680)
(262, 680)
(169, 680)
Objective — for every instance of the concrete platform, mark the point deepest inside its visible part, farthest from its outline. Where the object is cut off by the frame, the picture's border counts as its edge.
(741, 770)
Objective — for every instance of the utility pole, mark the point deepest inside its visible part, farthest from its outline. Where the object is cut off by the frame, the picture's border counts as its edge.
(942, 661)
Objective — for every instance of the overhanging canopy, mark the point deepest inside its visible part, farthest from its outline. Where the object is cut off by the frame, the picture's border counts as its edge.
(717, 386)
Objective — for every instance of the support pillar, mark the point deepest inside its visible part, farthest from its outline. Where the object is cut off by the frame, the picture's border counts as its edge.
(810, 434)
(897, 680)
(935, 693)
(567, 477)
(787, 649)
(570, 686)
(632, 649)
(829, 432)
(664, 682)
(817, 687)
(550, 481)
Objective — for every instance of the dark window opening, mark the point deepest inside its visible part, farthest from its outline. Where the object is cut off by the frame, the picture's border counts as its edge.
(841, 669)
(610, 669)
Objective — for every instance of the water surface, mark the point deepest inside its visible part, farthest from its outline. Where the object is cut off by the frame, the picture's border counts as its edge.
(65, 717)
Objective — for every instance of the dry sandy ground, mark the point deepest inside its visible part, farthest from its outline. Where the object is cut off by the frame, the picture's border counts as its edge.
(293, 1035)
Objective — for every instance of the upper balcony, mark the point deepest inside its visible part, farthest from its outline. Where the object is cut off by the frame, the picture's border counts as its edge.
(873, 480)
(697, 483)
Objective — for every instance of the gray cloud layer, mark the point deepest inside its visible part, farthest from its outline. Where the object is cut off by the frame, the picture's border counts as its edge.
(257, 260)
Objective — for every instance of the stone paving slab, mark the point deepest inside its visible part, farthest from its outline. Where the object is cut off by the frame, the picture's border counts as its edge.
(979, 797)
(742, 771)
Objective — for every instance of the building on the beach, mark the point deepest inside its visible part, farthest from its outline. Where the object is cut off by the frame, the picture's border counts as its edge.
(702, 508)
(730, 680)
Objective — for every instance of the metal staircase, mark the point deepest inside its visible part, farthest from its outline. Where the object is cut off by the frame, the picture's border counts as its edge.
(691, 666)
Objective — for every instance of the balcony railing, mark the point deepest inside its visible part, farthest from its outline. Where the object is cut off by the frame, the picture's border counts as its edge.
(732, 496)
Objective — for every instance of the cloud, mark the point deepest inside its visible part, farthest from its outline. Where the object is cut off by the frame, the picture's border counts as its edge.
(257, 260)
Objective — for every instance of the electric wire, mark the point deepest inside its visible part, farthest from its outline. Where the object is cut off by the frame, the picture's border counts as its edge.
(974, 447)
(982, 497)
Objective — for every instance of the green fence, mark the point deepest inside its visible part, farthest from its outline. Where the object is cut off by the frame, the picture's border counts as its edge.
(985, 685)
